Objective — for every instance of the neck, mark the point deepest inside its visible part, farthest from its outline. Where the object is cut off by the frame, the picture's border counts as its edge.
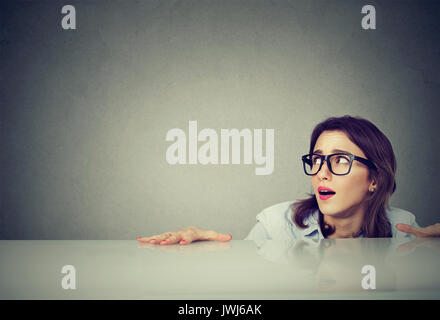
(346, 225)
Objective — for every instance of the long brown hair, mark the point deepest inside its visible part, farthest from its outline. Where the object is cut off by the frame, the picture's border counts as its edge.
(377, 148)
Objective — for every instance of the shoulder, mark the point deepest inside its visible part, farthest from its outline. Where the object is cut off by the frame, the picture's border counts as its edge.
(275, 212)
(397, 215)
(277, 220)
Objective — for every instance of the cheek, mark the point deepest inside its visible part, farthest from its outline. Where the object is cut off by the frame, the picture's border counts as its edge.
(315, 182)
(355, 185)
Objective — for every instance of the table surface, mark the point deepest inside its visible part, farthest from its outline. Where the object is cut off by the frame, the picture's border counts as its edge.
(237, 270)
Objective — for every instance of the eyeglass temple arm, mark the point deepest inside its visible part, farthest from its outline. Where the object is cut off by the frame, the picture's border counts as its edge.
(365, 161)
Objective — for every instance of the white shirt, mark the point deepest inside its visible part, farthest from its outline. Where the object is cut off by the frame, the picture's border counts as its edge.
(275, 223)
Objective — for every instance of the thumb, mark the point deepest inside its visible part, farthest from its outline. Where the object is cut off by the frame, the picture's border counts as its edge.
(407, 228)
(213, 235)
(223, 237)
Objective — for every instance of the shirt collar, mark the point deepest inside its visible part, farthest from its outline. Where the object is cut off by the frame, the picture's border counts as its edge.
(312, 225)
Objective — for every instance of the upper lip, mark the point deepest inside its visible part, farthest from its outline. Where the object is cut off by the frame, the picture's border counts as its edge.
(325, 188)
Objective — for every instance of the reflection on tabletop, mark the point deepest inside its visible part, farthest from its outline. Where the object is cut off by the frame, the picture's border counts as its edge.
(197, 246)
(238, 269)
(337, 263)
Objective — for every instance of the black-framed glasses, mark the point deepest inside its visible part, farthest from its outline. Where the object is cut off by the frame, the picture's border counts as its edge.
(338, 163)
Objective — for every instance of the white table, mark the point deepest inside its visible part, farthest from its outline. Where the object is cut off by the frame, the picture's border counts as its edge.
(331, 269)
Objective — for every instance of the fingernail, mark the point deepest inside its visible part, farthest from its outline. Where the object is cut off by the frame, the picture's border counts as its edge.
(182, 242)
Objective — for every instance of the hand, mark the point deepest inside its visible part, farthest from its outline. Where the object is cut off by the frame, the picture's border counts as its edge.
(185, 236)
(427, 232)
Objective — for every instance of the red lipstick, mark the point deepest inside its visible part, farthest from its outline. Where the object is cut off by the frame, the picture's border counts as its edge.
(325, 193)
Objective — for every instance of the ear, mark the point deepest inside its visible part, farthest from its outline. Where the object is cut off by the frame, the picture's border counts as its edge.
(373, 185)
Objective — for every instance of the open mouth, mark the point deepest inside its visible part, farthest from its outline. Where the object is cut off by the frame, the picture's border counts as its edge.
(325, 193)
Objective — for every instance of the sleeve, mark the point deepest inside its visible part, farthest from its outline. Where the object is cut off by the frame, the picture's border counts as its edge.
(396, 216)
(415, 224)
(258, 233)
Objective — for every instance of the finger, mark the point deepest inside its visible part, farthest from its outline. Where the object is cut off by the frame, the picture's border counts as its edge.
(151, 239)
(213, 235)
(404, 227)
(144, 239)
(187, 239)
(158, 238)
(223, 237)
(409, 229)
(173, 238)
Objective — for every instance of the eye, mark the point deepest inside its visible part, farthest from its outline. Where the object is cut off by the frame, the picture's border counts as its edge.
(316, 160)
(342, 160)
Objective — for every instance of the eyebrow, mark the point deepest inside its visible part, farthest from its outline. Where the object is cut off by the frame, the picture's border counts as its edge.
(319, 151)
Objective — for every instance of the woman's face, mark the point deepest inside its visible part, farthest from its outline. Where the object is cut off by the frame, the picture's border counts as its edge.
(351, 190)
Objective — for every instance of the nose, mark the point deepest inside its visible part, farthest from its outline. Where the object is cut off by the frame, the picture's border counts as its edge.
(324, 173)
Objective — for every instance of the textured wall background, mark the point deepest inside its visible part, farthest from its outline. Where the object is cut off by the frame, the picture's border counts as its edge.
(84, 113)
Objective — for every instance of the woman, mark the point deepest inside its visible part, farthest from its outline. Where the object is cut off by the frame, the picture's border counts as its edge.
(352, 167)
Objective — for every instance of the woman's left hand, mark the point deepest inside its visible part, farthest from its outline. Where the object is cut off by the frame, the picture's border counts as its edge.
(427, 232)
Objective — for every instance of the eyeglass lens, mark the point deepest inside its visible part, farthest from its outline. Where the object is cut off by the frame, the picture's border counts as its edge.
(339, 164)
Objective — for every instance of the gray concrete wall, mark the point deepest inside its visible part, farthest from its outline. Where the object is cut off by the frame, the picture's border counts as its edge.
(85, 112)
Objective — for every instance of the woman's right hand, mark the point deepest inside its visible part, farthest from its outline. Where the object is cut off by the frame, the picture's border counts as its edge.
(185, 236)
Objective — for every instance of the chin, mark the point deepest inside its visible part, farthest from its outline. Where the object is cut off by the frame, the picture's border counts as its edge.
(328, 209)
(327, 212)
